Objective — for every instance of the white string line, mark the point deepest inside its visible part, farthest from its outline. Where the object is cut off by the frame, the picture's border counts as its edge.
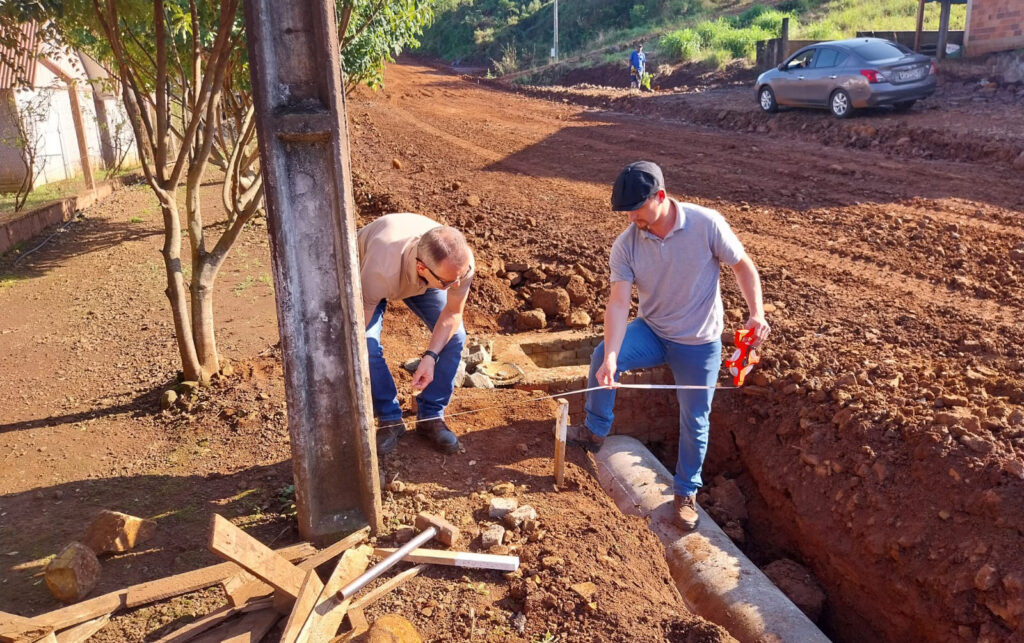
(564, 394)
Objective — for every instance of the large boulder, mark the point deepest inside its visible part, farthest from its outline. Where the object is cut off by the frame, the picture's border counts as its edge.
(553, 301)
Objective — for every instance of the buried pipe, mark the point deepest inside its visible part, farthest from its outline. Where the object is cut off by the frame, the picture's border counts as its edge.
(715, 579)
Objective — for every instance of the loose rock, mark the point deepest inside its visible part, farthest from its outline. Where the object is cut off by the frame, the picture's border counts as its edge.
(553, 301)
(392, 628)
(492, 536)
(531, 320)
(799, 585)
(73, 573)
(113, 532)
(578, 319)
(517, 517)
(502, 506)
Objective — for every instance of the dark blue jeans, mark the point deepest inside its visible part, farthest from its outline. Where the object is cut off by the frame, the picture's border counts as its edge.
(692, 365)
(434, 398)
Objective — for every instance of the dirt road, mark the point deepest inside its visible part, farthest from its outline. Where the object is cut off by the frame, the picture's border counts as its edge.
(881, 443)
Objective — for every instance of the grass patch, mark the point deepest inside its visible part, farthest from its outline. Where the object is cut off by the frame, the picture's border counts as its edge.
(7, 281)
(136, 220)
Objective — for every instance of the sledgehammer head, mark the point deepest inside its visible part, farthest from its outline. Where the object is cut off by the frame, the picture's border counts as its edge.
(446, 531)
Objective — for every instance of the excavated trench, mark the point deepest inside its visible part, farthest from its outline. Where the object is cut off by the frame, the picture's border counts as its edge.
(733, 495)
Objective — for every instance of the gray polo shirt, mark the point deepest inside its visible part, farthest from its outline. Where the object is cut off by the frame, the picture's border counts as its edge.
(677, 277)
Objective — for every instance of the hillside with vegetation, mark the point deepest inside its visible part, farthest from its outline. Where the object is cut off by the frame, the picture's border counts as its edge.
(513, 35)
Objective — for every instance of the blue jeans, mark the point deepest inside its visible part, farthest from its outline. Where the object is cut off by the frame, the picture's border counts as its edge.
(438, 393)
(693, 365)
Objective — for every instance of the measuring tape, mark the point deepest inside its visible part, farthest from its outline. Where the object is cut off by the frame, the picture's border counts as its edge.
(649, 387)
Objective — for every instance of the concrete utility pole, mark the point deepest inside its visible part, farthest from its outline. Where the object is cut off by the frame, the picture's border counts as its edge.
(300, 116)
(555, 48)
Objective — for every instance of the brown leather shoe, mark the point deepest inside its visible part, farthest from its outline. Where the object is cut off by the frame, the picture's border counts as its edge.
(439, 433)
(581, 436)
(685, 514)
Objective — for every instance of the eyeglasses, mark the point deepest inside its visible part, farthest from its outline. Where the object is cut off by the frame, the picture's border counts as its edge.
(444, 284)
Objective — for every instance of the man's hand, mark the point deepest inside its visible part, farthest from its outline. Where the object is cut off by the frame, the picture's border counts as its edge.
(606, 374)
(424, 374)
(760, 328)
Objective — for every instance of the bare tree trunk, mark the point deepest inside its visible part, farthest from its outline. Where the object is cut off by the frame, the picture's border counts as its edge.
(176, 286)
(202, 318)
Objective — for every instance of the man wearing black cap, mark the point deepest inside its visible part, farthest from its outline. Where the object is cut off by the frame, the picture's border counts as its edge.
(672, 252)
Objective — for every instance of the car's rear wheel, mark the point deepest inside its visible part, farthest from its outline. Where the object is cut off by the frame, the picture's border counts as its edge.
(766, 98)
(904, 105)
(839, 104)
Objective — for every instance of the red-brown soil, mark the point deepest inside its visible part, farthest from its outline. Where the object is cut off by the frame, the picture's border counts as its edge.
(880, 445)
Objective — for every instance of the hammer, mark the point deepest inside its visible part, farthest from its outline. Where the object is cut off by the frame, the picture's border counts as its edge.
(429, 526)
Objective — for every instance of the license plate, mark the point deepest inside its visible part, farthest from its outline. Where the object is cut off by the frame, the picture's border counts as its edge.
(912, 74)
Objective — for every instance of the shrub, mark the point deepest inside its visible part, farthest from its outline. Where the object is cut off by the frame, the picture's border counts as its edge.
(681, 45)
(719, 58)
(509, 61)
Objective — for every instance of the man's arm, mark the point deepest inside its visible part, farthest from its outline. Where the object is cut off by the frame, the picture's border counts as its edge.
(615, 317)
(750, 286)
(448, 323)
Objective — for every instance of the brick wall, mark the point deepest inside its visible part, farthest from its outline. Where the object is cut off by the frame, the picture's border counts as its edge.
(994, 25)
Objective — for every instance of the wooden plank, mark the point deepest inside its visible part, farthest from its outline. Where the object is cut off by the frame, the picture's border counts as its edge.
(230, 542)
(326, 618)
(149, 592)
(18, 629)
(211, 620)
(243, 587)
(251, 628)
(369, 597)
(305, 601)
(455, 558)
(81, 633)
(561, 426)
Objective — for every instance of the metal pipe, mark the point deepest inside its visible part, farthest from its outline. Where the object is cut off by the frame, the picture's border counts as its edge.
(350, 590)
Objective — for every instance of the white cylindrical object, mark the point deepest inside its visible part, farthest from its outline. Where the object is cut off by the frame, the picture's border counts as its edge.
(715, 578)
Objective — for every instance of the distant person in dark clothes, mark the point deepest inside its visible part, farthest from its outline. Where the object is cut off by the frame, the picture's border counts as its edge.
(637, 65)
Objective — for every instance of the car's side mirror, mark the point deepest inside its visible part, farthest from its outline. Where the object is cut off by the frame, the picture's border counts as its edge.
(782, 66)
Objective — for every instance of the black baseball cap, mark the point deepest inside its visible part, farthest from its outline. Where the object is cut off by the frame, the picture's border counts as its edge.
(636, 183)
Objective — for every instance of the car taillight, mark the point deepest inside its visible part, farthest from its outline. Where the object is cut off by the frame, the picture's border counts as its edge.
(874, 76)
(934, 69)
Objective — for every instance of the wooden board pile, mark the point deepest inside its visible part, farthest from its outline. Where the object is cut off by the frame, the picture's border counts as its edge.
(262, 586)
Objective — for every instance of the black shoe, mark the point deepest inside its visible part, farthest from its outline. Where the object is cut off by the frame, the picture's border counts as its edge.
(387, 436)
(439, 433)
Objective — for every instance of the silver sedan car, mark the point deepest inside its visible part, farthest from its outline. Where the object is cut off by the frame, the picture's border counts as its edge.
(842, 75)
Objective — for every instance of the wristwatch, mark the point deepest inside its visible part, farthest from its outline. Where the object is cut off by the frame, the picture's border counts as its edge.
(432, 354)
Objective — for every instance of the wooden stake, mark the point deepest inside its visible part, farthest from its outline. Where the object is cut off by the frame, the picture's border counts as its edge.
(456, 558)
(561, 426)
